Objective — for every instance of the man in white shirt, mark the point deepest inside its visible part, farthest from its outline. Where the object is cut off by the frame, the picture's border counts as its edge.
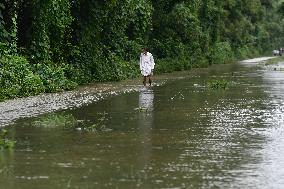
(146, 66)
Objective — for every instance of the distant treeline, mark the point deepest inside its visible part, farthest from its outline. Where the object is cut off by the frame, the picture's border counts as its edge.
(54, 45)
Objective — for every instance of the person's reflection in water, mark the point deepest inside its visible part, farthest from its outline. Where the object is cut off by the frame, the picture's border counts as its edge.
(146, 98)
(145, 124)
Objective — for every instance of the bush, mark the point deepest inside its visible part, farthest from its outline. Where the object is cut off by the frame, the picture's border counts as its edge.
(243, 52)
(199, 61)
(114, 69)
(165, 65)
(79, 74)
(32, 84)
(125, 70)
(17, 79)
(221, 53)
(168, 65)
(53, 78)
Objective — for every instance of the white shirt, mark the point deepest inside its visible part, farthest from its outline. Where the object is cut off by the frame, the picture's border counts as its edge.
(146, 64)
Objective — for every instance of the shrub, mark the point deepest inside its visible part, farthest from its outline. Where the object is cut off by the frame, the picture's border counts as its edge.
(17, 79)
(244, 52)
(221, 53)
(32, 84)
(53, 77)
(125, 70)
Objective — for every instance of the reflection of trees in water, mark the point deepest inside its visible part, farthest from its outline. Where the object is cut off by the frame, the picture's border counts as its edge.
(55, 120)
(145, 124)
(6, 160)
(7, 155)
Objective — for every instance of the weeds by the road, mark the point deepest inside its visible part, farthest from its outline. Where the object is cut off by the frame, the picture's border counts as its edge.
(218, 84)
(274, 60)
(68, 121)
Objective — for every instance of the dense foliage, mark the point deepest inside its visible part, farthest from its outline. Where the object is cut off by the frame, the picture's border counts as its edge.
(53, 45)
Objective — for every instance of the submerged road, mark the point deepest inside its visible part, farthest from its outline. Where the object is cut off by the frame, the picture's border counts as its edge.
(12, 110)
(179, 135)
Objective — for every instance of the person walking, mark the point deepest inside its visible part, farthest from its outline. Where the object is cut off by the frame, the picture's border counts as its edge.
(147, 65)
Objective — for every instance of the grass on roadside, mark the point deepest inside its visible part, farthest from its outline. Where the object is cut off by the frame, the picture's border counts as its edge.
(274, 60)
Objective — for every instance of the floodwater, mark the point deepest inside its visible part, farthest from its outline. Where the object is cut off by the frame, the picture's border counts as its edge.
(178, 135)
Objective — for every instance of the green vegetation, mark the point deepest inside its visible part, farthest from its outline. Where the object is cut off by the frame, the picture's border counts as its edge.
(275, 60)
(68, 121)
(55, 45)
(218, 84)
(5, 143)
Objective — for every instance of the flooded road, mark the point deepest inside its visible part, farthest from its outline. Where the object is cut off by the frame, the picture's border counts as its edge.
(178, 135)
